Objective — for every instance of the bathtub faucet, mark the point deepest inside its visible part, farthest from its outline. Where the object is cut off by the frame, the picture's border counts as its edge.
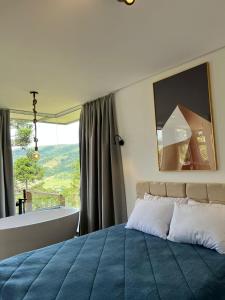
(21, 203)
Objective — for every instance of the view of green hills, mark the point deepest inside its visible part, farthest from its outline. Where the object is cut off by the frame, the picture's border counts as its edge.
(59, 174)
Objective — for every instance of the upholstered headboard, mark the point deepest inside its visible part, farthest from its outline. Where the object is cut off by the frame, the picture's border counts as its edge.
(202, 192)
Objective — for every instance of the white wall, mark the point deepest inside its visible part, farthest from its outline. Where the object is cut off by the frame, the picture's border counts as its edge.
(136, 122)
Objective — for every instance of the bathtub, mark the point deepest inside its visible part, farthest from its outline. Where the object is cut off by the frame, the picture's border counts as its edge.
(35, 230)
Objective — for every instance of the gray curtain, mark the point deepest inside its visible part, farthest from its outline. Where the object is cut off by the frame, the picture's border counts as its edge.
(102, 189)
(7, 202)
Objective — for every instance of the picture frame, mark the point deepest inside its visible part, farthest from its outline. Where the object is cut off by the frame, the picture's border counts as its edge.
(184, 121)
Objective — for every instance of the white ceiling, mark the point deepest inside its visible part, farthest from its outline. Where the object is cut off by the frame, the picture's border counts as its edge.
(73, 51)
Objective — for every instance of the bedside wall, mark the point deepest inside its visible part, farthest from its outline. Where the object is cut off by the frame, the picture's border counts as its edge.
(136, 122)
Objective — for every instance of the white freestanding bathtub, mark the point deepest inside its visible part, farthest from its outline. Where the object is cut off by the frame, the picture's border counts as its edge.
(36, 229)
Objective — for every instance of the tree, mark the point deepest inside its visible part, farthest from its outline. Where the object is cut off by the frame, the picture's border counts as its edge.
(23, 135)
(27, 170)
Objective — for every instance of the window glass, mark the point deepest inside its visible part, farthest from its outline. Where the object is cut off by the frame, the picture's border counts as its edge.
(54, 179)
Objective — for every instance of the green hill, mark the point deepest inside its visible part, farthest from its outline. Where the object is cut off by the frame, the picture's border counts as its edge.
(55, 159)
(61, 168)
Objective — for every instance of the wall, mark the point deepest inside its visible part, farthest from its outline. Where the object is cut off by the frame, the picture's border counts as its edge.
(136, 122)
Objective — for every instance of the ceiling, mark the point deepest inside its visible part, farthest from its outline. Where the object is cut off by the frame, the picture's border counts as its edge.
(73, 51)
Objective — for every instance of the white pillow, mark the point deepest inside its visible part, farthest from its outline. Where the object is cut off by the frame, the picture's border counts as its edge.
(177, 200)
(193, 202)
(202, 224)
(152, 217)
(149, 197)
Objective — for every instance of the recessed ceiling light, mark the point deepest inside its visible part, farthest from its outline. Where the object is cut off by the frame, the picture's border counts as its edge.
(128, 2)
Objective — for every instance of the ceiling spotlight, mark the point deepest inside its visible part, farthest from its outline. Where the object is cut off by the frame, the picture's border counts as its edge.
(128, 2)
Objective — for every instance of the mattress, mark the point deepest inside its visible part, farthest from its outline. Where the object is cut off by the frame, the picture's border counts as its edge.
(114, 263)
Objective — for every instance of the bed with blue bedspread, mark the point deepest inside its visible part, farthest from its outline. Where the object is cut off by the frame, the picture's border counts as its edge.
(114, 263)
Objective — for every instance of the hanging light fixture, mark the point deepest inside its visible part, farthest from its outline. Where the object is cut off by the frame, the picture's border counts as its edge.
(128, 2)
(36, 154)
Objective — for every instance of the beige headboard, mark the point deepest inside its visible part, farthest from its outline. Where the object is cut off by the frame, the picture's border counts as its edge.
(202, 192)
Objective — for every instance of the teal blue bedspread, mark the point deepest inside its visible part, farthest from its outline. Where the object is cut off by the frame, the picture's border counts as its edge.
(114, 263)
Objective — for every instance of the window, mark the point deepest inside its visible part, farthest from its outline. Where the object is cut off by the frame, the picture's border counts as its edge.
(55, 179)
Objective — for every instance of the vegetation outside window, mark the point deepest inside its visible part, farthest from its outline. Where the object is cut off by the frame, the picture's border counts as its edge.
(54, 179)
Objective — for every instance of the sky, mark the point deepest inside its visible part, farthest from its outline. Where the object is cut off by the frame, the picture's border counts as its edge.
(53, 134)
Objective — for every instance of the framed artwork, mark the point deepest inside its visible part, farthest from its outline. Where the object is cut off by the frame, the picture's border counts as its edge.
(184, 123)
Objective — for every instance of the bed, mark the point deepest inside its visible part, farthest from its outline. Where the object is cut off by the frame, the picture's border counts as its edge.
(117, 263)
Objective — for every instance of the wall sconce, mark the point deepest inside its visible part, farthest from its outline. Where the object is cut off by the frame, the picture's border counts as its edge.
(118, 140)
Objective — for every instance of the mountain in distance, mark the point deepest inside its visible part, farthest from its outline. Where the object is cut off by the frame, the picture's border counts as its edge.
(55, 159)
(61, 175)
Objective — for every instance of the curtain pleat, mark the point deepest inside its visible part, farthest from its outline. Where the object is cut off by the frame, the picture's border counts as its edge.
(102, 191)
(7, 201)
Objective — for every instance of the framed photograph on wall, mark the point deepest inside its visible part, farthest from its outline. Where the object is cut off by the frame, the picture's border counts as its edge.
(184, 122)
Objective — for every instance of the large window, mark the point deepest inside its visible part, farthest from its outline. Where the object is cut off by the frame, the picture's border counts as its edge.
(54, 179)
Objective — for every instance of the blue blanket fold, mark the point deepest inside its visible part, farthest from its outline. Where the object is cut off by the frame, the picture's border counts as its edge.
(114, 263)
